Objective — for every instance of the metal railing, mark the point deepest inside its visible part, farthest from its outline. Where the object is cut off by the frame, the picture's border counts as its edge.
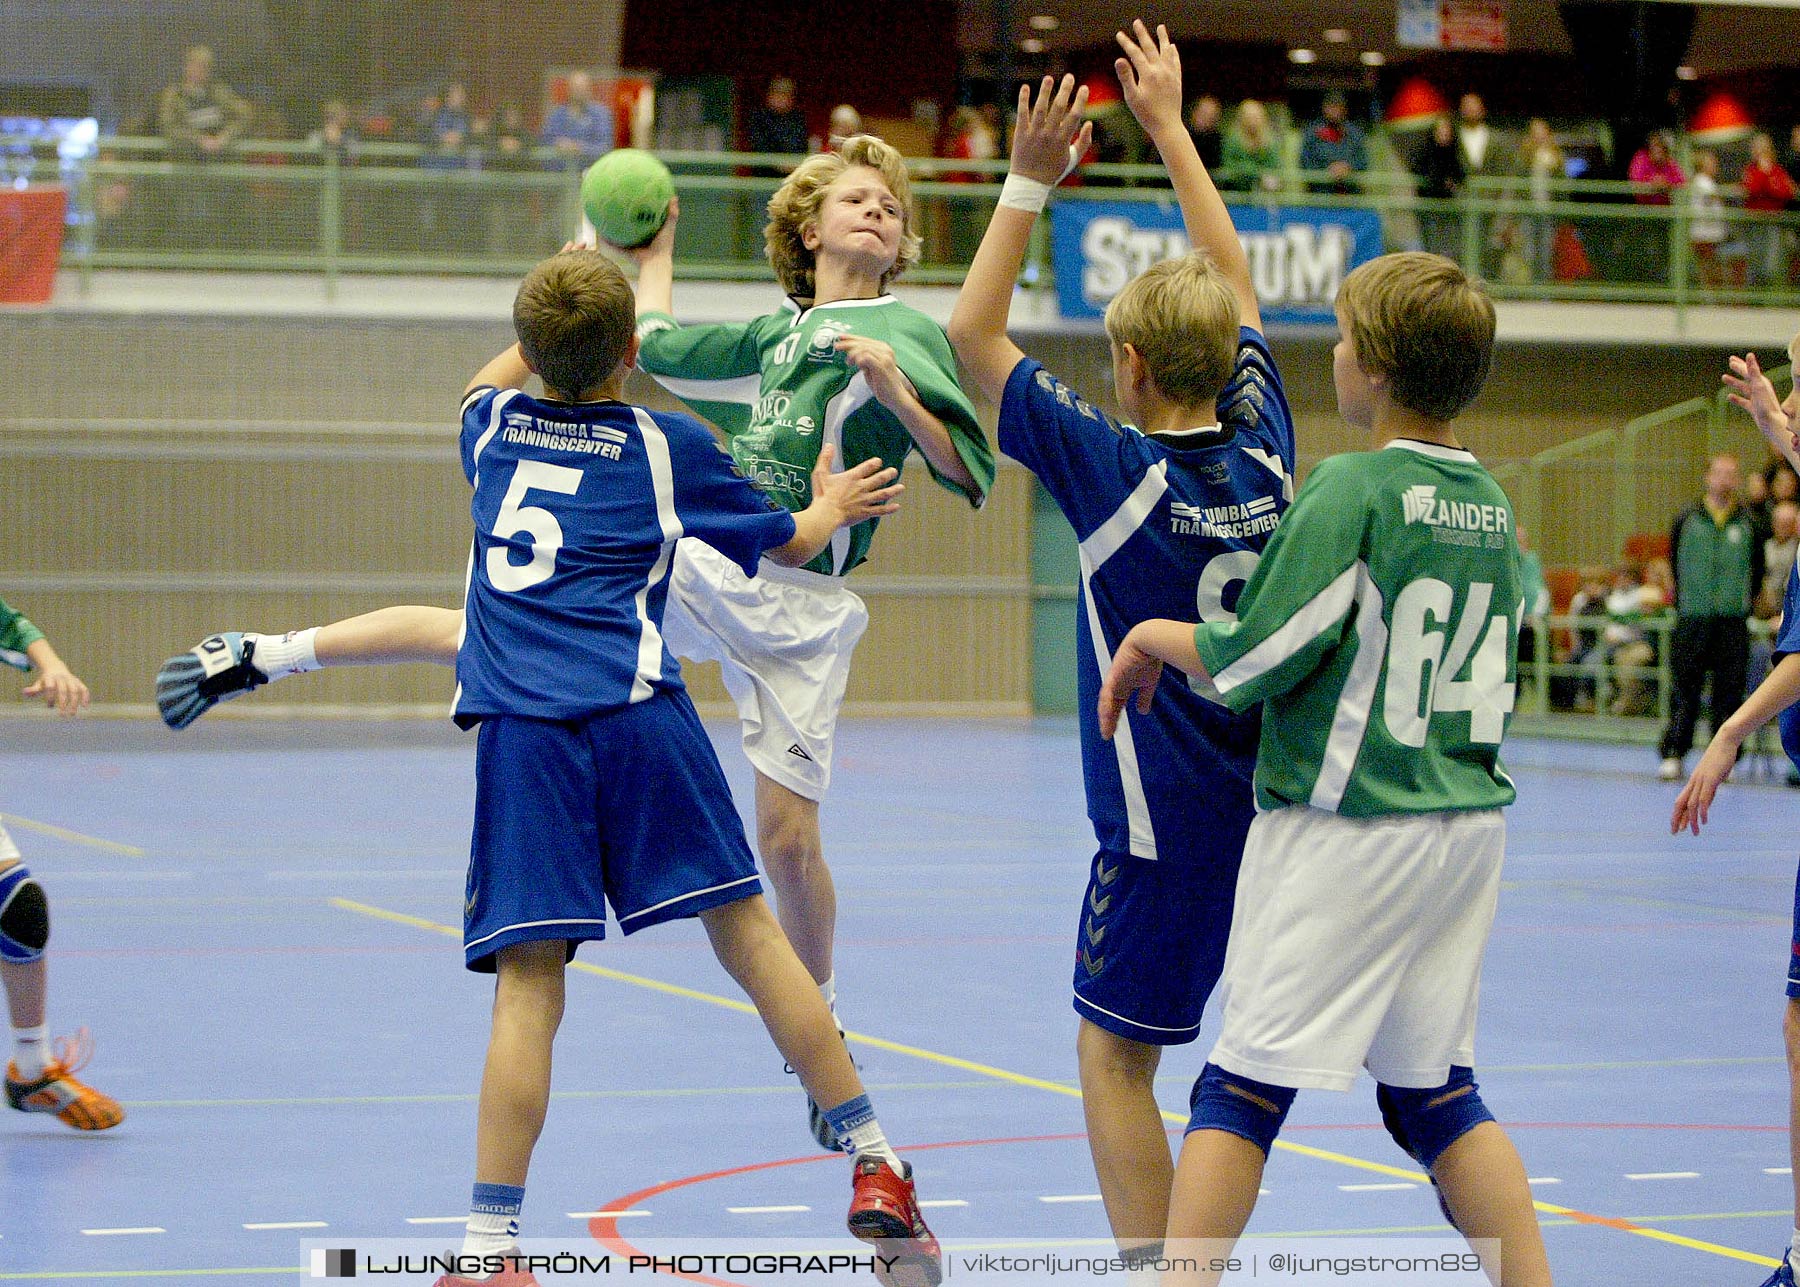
(379, 207)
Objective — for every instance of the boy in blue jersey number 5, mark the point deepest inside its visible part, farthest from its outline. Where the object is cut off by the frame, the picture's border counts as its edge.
(1171, 512)
(1380, 634)
(595, 783)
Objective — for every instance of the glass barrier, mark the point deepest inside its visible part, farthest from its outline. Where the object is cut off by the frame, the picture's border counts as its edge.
(384, 207)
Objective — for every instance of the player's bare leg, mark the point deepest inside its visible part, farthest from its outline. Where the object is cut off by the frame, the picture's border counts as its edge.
(793, 854)
(1216, 1183)
(409, 632)
(1790, 1031)
(515, 1083)
(1483, 1181)
(1125, 1134)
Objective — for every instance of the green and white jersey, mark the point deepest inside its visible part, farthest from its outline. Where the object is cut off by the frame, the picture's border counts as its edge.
(1380, 631)
(16, 635)
(778, 388)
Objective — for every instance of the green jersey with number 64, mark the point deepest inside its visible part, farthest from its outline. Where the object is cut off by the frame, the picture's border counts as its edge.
(779, 388)
(1380, 631)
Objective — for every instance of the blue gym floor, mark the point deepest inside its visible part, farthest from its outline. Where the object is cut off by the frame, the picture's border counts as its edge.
(251, 919)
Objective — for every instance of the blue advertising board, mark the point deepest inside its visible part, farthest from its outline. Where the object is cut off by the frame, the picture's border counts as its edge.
(1298, 256)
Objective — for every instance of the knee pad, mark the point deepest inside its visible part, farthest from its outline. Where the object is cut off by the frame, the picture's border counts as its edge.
(1426, 1122)
(1252, 1110)
(24, 916)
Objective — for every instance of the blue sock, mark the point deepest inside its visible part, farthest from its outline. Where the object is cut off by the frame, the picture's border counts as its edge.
(859, 1132)
(493, 1218)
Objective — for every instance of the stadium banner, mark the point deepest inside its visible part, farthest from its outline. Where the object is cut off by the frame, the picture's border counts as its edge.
(1298, 256)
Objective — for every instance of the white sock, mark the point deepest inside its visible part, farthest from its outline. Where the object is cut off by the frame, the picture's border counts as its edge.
(289, 654)
(1793, 1255)
(493, 1225)
(828, 990)
(31, 1051)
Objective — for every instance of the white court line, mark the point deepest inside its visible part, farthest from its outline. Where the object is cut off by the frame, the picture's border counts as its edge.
(1069, 1197)
(944, 1202)
(108, 1233)
(1543, 1179)
(1375, 1188)
(1778, 1170)
(605, 1215)
(461, 1219)
(289, 1224)
(764, 1210)
(1664, 1175)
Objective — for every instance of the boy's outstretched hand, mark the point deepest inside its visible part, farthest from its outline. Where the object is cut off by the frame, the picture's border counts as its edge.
(662, 245)
(1150, 75)
(1134, 673)
(1753, 391)
(60, 689)
(1050, 136)
(1694, 803)
(859, 493)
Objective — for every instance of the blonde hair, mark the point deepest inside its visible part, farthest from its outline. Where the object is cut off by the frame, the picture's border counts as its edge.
(575, 316)
(796, 204)
(1423, 323)
(1181, 315)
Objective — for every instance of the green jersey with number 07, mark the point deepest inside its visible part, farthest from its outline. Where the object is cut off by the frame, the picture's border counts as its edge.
(1380, 631)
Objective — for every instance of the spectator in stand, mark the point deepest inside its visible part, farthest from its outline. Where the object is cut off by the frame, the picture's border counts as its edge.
(1438, 165)
(778, 125)
(1707, 231)
(968, 137)
(446, 211)
(1718, 566)
(1768, 190)
(1758, 504)
(1252, 151)
(1792, 161)
(845, 122)
(506, 146)
(580, 129)
(336, 136)
(1657, 174)
(1536, 598)
(1334, 144)
(1541, 162)
(1623, 648)
(1204, 121)
(1482, 157)
(199, 115)
(1778, 556)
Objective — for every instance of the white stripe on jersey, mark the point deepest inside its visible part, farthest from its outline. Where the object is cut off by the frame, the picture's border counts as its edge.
(662, 479)
(741, 389)
(1320, 613)
(1102, 543)
(839, 409)
(1358, 698)
(462, 629)
(494, 409)
(1271, 462)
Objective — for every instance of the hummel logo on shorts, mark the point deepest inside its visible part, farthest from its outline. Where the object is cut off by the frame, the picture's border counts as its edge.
(797, 749)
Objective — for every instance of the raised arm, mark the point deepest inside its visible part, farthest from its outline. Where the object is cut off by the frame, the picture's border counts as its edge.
(656, 266)
(1150, 75)
(505, 370)
(1040, 157)
(1755, 393)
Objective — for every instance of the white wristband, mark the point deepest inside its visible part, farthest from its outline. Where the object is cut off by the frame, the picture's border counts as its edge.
(1021, 193)
(1029, 195)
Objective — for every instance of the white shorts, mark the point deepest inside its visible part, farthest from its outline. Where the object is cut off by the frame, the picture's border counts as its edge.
(1357, 942)
(783, 641)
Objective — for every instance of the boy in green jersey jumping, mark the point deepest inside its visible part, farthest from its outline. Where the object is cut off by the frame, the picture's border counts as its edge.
(1380, 634)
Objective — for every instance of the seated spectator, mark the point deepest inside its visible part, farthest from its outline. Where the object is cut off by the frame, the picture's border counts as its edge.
(507, 142)
(1334, 143)
(1536, 598)
(446, 134)
(1439, 168)
(336, 136)
(1204, 120)
(580, 129)
(1541, 162)
(1622, 643)
(778, 125)
(845, 122)
(1768, 189)
(446, 212)
(1252, 152)
(199, 115)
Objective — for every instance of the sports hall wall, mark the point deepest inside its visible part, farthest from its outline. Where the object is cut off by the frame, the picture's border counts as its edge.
(170, 476)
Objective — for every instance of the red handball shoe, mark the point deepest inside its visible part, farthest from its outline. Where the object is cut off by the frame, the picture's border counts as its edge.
(511, 1276)
(884, 1212)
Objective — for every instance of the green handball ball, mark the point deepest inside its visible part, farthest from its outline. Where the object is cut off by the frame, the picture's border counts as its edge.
(626, 196)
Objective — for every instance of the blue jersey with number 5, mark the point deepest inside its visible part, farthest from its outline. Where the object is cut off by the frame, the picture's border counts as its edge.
(577, 510)
(1169, 526)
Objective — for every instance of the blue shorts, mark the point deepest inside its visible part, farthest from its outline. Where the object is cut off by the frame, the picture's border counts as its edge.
(1151, 944)
(628, 807)
(1793, 986)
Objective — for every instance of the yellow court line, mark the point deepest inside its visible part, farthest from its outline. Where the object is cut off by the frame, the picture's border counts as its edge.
(73, 837)
(1064, 1088)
